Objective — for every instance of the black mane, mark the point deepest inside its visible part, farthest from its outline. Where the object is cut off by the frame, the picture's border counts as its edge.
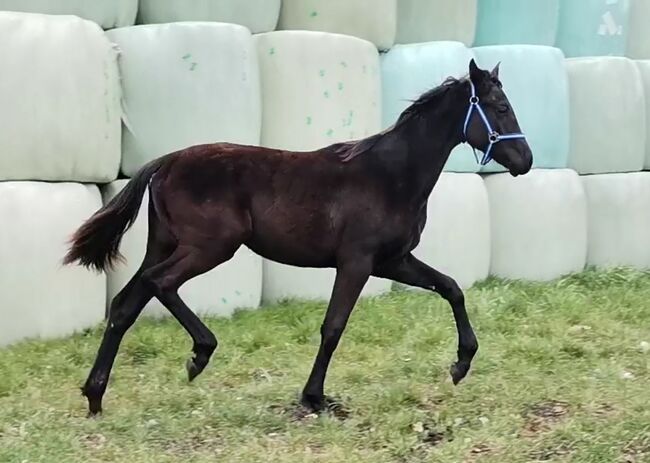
(349, 150)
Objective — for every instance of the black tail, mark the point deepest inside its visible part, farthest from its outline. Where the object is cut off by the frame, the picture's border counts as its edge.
(96, 243)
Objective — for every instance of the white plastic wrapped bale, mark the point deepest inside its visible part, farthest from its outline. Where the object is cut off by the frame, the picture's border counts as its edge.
(318, 89)
(39, 297)
(644, 69)
(186, 84)
(535, 80)
(619, 223)
(256, 15)
(432, 20)
(608, 122)
(373, 20)
(456, 238)
(538, 224)
(236, 284)
(593, 27)
(107, 13)
(638, 37)
(407, 71)
(60, 93)
(502, 22)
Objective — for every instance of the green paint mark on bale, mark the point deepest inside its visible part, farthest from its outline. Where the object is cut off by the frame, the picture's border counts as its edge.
(193, 66)
(308, 120)
(340, 86)
(313, 14)
(272, 51)
(224, 300)
(364, 69)
(187, 56)
(321, 73)
(326, 94)
(344, 64)
(238, 293)
(330, 132)
(347, 122)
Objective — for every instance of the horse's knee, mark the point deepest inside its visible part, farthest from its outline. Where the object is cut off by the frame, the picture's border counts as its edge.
(330, 336)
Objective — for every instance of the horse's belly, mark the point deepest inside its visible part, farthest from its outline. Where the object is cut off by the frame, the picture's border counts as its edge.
(292, 248)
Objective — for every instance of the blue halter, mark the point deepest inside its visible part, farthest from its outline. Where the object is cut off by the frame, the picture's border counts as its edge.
(494, 137)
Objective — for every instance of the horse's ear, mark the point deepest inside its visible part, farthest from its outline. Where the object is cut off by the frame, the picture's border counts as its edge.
(475, 73)
(495, 72)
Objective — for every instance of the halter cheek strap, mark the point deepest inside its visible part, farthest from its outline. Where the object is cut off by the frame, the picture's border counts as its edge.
(494, 137)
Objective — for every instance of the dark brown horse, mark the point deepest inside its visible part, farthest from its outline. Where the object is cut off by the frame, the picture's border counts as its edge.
(358, 206)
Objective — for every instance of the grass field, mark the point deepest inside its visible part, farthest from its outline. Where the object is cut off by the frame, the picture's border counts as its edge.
(562, 374)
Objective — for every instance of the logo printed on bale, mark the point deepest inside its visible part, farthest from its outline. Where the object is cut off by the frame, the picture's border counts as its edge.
(609, 26)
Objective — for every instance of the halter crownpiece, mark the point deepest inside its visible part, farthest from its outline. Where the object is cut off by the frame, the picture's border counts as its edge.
(494, 137)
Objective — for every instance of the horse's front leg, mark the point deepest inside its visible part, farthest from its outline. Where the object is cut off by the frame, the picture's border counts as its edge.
(351, 276)
(413, 272)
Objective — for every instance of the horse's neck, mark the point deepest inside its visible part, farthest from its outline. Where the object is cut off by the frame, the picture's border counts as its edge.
(430, 141)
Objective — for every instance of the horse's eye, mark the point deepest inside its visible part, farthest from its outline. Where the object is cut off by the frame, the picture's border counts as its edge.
(503, 108)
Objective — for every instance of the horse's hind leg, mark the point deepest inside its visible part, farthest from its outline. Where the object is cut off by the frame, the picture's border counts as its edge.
(124, 310)
(164, 279)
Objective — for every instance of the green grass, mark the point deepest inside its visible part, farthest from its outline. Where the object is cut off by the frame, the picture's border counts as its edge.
(549, 384)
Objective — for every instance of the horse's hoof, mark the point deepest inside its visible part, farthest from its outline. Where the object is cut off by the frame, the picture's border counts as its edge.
(324, 404)
(313, 403)
(458, 372)
(94, 415)
(192, 370)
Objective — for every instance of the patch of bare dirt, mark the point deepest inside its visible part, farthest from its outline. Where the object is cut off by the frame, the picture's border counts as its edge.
(194, 443)
(299, 413)
(637, 451)
(550, 453)
(93, 441)
(543, 416)
(478, 452)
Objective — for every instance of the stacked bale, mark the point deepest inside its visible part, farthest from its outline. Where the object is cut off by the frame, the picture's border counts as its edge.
(513, 22)
(39, 297)
(607, 115)
(638, 36)
(644, 72)
(619, 219)
(539, 224)
(107, 13)
(593, 27)
(256, 15)
(56, 124)
(420, 21)
(372, 20)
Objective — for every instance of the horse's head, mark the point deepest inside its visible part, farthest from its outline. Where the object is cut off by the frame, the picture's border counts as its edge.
(491, 125)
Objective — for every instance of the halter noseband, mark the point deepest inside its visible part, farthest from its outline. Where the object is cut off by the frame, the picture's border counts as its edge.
(494, 137)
